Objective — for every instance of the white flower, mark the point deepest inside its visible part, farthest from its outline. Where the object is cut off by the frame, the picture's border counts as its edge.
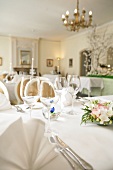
(110, 113)
(104, 118)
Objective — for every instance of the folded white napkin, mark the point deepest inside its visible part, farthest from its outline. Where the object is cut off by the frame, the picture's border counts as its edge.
(66, 97)
(23, 146)
(4, 102)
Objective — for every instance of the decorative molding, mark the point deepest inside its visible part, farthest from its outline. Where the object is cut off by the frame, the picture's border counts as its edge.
(26, 44)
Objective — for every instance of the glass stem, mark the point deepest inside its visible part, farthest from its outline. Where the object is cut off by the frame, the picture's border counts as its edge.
(30, 111)
(72, 103)
(49, 125)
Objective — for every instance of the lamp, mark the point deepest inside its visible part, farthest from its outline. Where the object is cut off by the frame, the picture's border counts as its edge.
(58, 67)
(78, 21)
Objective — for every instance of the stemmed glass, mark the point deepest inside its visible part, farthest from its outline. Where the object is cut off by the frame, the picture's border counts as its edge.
(31, 92)
(73, 88)
(30, 101)
(48, 99)
(62, 82)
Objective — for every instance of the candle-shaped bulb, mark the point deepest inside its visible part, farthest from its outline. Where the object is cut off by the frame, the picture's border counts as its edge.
(75, 11)
(67, 13)
(90, 13)
(63, 16)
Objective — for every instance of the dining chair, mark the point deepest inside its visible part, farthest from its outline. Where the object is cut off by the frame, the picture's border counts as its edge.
(45, 88)
(19, 89)
(3, 76)
(23, 84)
(32, 87)
(10, 76)
(3, 89)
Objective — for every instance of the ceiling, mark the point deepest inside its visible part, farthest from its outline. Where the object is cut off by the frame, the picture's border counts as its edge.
(42, 18)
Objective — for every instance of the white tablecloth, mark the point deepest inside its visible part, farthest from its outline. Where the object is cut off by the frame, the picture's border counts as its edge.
(18, 139)
(92, 142)
(91, 82)
(52, 77)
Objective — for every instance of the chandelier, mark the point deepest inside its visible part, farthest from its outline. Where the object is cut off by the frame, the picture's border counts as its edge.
(78, 21)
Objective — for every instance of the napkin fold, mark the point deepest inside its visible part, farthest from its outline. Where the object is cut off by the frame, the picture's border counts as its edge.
(4, 102)
(24, 146)
(66, 97)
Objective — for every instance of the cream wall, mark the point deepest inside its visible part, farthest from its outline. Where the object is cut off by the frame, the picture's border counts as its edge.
(48, 50)
(66, 49)
(70, 48)
(5, 53)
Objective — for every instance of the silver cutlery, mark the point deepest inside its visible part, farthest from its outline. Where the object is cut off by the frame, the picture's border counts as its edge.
(62, 151)
(83, 163)
(19, 109)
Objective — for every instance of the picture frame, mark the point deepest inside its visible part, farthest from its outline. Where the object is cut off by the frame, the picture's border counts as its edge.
(25, 57)
(49, 62)
(0, 61)
(70, 62)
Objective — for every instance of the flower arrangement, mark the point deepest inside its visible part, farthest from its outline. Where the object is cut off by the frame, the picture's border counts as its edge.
(97, 111)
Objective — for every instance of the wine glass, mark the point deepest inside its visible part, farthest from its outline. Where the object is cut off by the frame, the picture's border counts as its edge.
(31, 92)
(48, 99)
(60, 84)
(73, 88)
(68, 79)
(30, 101)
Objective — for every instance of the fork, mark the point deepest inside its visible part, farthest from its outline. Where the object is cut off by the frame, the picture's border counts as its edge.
(62, 151)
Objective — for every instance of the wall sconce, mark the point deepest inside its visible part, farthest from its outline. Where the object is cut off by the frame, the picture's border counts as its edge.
(58, 58)
(58, 67)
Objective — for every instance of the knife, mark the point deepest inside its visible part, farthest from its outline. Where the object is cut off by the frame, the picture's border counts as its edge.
(82, 162)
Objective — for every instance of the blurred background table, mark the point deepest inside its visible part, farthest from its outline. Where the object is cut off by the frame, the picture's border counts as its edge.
(95, 91)
(51, 77)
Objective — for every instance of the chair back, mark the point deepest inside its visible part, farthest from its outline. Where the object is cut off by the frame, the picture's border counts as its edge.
(19, 89)
(3, 89)
(32, 88)
(46, 88)
(3, 76)
(23, 84)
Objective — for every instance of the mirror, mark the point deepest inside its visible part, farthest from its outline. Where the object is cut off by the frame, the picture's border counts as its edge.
(25, 57)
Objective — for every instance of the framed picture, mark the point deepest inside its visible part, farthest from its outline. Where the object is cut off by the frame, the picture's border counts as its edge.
(70, 62)
(0, 61)
(25, 57)
(49, 62)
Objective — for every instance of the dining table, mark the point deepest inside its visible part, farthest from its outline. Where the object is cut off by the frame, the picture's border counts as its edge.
(93, 143)
(51, 77)
(90, 83)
